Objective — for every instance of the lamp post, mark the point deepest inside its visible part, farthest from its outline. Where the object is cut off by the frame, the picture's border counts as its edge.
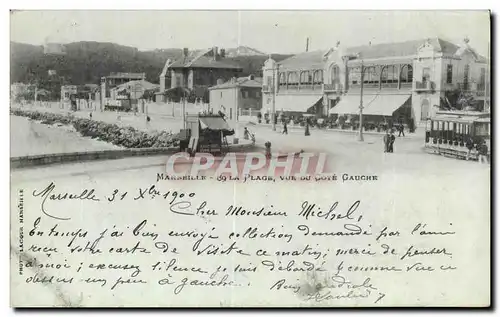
(184, 109)
(361, 104)
(275, 70)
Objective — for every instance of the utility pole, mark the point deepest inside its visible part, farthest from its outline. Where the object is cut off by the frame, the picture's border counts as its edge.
(307, 45)
(275, 70)
(361, 104)
(184, 110)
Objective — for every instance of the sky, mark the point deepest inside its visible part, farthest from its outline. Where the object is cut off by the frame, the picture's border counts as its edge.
(268, 31)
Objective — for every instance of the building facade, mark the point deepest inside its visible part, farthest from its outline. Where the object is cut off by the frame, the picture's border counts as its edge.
(67, 91)
(134, 89)
(237, 96)
(114, 80)
(197, 70)
(413, 77)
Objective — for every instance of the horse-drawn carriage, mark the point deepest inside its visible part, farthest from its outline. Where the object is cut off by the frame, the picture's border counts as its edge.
(448, 133)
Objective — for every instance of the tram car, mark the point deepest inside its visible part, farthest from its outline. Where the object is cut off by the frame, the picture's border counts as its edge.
(447, 133)
(205, 133)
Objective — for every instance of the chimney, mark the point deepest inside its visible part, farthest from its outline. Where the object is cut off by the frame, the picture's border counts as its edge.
(214, 52)
(222, 53)
(186, 51)
(220, 81)
(233, 80)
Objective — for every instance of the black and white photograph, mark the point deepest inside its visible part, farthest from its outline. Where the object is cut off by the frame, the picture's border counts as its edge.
(245, 158)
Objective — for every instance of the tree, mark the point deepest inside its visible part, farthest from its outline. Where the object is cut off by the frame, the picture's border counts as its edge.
(459, 100)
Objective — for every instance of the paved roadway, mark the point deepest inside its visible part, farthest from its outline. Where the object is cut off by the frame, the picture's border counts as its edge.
(345, 152)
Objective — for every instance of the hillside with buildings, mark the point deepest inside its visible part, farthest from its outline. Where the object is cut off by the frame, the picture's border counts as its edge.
(86, 62)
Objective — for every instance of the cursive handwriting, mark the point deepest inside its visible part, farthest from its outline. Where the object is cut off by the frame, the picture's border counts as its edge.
(145, 243)
(312, 210)
(47, 193)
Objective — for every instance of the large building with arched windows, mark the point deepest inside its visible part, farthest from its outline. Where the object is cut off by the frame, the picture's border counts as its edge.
(411, 79)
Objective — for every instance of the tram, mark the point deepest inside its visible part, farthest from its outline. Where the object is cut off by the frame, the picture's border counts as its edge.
(448, 131)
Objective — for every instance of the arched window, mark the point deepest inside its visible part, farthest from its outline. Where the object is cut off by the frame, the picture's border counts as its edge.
(305, 78)
(407, 74)
(293, 79)
(282, 79)
(389, 75)
(371, 76)
(318, 77)
(335, 74)
(354, 74)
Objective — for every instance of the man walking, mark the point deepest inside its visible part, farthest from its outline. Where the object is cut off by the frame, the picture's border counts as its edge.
(386, 141)
(391, 142)
(483, 151)
(470, 145)
(285, 128)
(401, 129)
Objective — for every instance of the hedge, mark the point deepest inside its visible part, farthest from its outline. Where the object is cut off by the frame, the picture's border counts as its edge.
(127, 137)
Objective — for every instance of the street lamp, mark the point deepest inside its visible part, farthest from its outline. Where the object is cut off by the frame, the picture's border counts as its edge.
(275, 71)
(361, 103)
(184, 109)
(346, 59)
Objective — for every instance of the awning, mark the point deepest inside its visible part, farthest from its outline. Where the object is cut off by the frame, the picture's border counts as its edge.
(296, 103)
(378, 105)
(214, 123)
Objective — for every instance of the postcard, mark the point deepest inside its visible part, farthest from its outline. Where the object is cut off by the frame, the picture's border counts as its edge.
(250, 159)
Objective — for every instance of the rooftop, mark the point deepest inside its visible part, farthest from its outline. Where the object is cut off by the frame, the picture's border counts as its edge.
(315, 59)
(200, 59)
(145, 84)
(247, 82)
(306, 59)
(407, 48)
(127, 75)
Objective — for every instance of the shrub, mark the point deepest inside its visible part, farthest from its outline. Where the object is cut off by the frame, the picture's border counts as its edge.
(127, 137)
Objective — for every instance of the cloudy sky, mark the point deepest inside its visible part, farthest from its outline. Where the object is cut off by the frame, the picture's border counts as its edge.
(267, 31)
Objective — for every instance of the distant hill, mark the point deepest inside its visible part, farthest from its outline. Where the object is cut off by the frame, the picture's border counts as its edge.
(87, 62)
(243, 51)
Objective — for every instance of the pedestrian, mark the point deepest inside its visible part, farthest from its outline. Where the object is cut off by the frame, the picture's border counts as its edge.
(285, 129)
(391, 142)
(483, 152)
(401, 129)
(470, 145)
(90, 115)
(268, 149)
(387, 139)
(246, 134)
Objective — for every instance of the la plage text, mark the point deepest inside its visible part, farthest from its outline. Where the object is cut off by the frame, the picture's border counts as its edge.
(318, 178)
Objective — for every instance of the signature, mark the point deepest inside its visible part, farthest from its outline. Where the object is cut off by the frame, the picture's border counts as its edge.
(333, 288)
(47, 193)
